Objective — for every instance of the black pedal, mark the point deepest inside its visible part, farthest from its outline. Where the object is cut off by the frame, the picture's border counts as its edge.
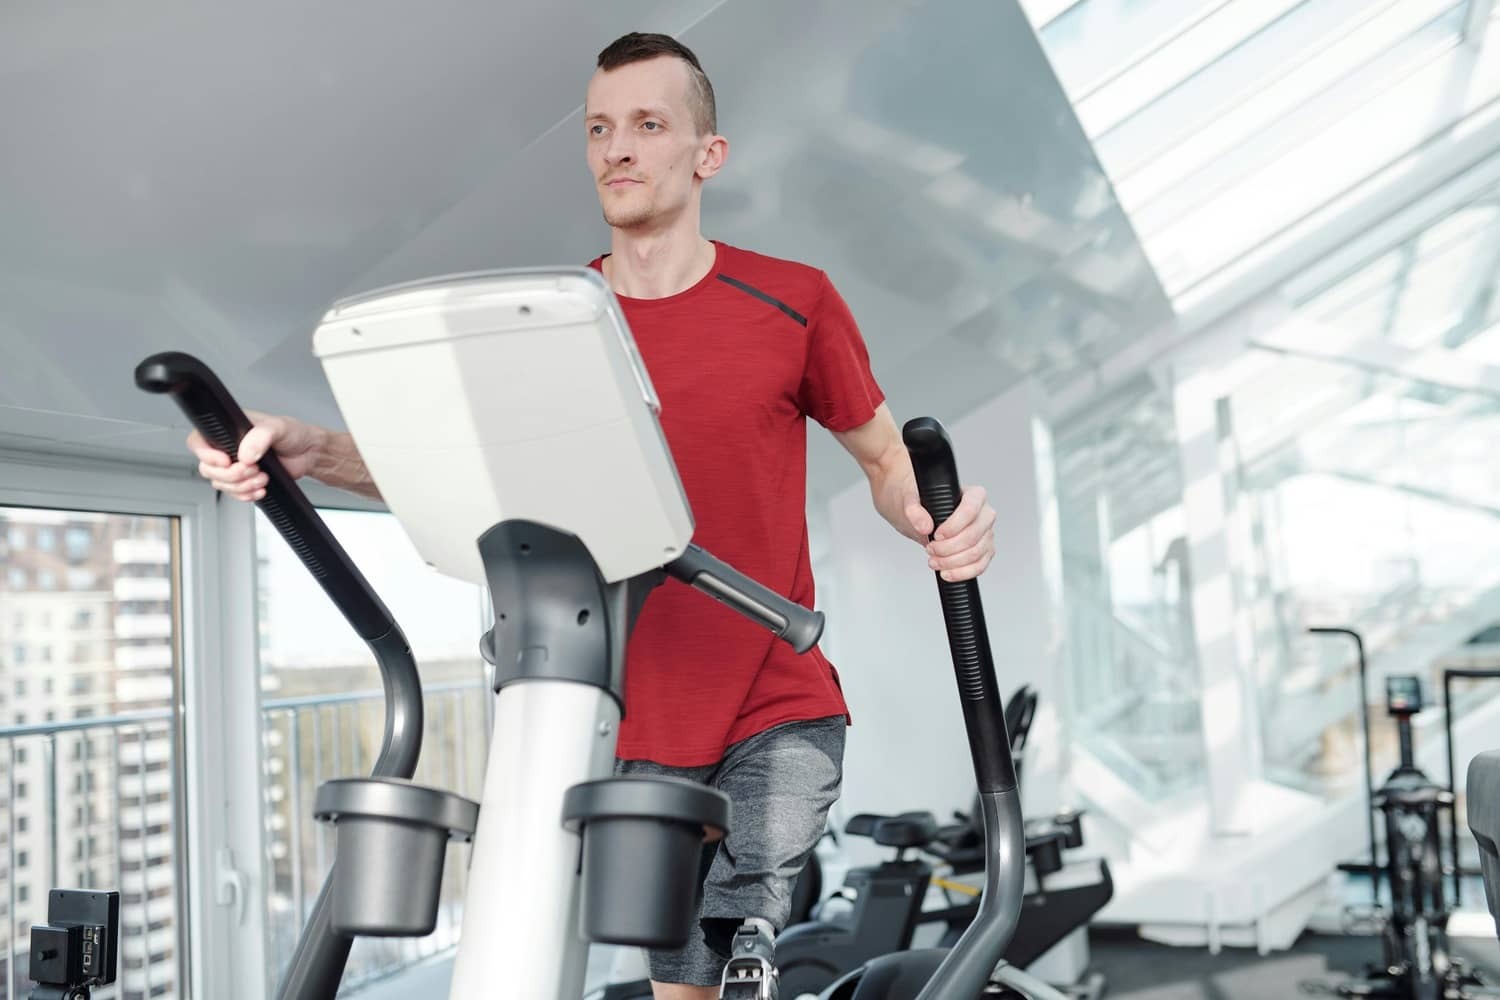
(77, 948)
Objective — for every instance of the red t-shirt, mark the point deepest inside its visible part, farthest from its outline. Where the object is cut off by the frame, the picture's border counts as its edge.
(740, 361)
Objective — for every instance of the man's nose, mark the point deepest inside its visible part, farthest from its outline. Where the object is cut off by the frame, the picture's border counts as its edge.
(619, 150)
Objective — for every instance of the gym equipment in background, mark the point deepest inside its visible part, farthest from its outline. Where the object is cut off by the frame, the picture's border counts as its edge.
(1416, 962)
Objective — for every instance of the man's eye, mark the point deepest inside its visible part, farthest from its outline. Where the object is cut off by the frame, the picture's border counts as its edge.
(651, 126)
(596, 130)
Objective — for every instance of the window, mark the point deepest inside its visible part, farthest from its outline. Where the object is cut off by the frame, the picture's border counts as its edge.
(84, 553)
(303, 637)
(79, 543)
(20, 687)
(23, 893)
(20, 755)
(23, 858)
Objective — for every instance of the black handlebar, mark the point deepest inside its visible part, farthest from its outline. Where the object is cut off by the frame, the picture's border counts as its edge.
(791, 622)
(963, 613)
(211, 409)
(318, 964)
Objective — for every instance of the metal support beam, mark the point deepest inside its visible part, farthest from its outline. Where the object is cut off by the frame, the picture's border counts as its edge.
(1381, 213)
(1477, 22)
(1437, 367)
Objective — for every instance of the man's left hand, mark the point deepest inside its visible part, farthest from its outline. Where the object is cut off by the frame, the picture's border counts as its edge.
(965, 543)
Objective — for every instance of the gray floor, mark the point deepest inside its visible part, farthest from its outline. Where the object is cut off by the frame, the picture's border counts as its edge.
(431, 979)
(1134, 969)
(1139, 970)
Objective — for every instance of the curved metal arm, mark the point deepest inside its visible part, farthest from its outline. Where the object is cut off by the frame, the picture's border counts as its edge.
(321, 955)
(1364, 719)
(967, 968)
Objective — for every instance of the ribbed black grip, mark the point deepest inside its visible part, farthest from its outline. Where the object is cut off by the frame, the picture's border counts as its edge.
(792, 623)
(963, 613)
(211, 409)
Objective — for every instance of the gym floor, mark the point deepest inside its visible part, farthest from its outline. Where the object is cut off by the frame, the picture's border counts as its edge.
(1136, 969)
(1140, 970)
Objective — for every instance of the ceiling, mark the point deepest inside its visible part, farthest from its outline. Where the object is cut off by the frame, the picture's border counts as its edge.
(183, 178)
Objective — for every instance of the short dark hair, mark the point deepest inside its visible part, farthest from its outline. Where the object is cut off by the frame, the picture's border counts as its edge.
(639, 47)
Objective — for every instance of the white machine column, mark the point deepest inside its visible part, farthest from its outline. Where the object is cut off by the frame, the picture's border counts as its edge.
(549, 736)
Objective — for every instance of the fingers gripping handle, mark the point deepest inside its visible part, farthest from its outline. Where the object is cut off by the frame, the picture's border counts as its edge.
(794, 624)
(936, 471)
(213, 411)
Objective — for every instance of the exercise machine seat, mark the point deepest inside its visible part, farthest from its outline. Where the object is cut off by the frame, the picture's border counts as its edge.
(912, 829)
(1484, 822)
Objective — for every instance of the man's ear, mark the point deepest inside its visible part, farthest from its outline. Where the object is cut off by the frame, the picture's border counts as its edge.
(711, 158)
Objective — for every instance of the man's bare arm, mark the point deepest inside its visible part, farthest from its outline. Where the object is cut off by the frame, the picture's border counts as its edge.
(305, 449)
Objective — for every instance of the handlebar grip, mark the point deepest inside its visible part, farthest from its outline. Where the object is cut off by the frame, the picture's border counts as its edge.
(210, 408)
(936, 471)
(792, 623)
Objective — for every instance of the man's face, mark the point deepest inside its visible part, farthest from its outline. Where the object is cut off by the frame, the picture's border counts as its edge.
(644, 148)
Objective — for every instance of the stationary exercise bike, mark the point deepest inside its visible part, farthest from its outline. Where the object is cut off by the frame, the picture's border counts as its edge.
(552, 484)
(878, 908)
(881, 907)
(1416, 962)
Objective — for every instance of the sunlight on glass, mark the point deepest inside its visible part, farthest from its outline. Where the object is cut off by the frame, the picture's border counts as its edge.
(1247, 213)
(1196, 47)
(1096, 39)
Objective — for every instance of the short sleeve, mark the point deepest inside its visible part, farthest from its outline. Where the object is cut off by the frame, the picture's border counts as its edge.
(838, 389)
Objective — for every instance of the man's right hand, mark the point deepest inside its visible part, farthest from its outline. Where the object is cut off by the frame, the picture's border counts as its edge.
(294, 442)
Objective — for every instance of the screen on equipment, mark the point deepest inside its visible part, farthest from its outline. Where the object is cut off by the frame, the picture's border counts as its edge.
(1403, 694)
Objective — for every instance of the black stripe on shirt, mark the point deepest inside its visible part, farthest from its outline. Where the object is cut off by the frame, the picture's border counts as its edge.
(772, 300)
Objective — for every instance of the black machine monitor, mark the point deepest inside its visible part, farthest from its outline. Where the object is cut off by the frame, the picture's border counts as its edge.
(1403, 694)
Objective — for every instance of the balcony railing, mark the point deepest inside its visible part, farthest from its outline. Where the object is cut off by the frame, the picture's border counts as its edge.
(55, 794)
(311, 739)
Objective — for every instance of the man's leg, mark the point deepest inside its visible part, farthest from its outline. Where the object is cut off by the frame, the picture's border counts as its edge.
(780, 784)
(677, 991)
(692, 971)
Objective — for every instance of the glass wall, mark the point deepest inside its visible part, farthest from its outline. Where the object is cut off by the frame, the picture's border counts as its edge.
(1128, 585)
(1362, 457)
(323, 716)
(1223, 126)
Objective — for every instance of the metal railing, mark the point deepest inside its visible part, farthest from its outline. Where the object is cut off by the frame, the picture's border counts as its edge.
(72, 753)
(314, 738)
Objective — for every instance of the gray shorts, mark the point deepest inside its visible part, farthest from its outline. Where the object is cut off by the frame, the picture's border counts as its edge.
(780, 784)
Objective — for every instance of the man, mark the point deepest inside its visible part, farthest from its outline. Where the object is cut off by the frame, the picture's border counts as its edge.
(741, 348)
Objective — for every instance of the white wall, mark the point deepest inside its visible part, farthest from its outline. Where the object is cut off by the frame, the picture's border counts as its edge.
(907, 748)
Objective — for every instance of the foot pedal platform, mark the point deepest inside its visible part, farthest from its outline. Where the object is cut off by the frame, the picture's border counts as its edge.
(751, 972)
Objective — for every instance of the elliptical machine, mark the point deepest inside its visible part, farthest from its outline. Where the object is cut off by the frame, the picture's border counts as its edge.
(555, 487)
(885, 901)
(1416, 962)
